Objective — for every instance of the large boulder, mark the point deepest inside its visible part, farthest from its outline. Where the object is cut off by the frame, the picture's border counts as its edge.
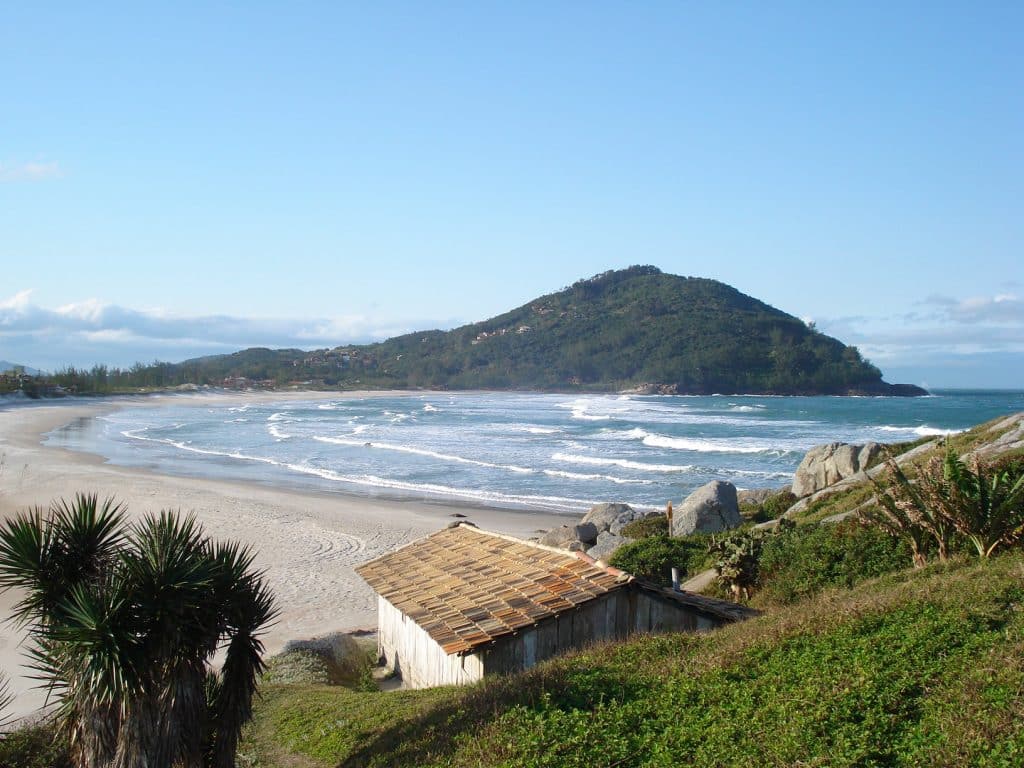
(566, 535)
(709, 509)
(825, 465)
(612, 517)
(606, 545)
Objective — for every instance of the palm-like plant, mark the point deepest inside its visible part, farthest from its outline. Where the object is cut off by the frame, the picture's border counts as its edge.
(984, 503)
(127, 620)
(904, 511)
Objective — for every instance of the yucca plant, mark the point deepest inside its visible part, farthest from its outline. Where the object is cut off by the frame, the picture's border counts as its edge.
(127, 619)
(984, 502)
(902, 510)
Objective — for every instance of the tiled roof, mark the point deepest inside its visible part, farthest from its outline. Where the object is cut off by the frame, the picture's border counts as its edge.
(466, 587)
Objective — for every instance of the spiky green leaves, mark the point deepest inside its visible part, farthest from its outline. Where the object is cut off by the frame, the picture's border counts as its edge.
(126, 620)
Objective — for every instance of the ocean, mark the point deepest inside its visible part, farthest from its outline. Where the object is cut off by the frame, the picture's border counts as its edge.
(559, 453)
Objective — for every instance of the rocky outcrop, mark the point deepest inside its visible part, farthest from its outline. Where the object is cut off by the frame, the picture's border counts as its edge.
(1011, 439)
(606, 545)
(825, 465)
(711, 508)
(612, 517)
(849, 482)
(598, 533)
(566, 535)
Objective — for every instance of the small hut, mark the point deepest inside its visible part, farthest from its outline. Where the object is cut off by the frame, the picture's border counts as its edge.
(463, 603)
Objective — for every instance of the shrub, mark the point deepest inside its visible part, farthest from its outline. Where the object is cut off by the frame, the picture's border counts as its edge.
(804, 560)
(656, 525)
(776, 505)
(34, 746)
(654, 557)
(737, 557)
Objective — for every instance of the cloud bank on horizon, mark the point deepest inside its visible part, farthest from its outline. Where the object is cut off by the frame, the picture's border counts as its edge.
(91, 331)
(944, 341)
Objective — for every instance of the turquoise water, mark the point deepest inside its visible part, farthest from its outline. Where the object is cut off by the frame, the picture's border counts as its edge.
(554, 452)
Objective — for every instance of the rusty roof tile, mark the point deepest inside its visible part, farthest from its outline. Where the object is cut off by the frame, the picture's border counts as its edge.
(466, 587)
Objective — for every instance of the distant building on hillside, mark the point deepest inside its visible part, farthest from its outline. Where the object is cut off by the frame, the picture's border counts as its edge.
(463, 603)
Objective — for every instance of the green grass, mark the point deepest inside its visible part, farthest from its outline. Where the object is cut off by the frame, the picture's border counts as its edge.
(912, 669)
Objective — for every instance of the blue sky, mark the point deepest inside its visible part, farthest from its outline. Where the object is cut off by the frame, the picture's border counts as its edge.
(196, 178)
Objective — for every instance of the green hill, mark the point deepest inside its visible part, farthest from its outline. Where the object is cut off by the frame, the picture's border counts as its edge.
(918, 668)
(636, 328)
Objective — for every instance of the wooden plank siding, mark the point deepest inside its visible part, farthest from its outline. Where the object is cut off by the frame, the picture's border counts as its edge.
(464, 603)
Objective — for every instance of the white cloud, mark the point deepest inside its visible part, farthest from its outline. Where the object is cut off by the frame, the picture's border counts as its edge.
(89, 331)
(32, 170)
(949, 335)
(1000, 308)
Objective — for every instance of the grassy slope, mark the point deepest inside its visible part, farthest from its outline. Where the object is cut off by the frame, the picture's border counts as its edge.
(921, 668)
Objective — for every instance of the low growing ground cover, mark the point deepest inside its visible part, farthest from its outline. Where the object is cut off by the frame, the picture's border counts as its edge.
(914, 668)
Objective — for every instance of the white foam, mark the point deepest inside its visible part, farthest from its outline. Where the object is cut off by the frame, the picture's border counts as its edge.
(278, 416)
(422, 452)
(922, 431)
(580, 476)
(276, 433)
(696, 444)
(429, 408)
(596, 461)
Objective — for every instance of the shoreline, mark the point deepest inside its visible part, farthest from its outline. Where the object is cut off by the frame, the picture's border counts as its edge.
(308, 542)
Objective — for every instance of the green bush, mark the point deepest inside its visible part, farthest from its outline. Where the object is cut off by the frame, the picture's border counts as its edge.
(776, 505)
(35, 746)
(804, 560)
(654, 557)
(656, 525)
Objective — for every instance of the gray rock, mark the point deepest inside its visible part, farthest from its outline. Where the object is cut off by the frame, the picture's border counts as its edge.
(606, 545)
(710, 508)
(612, 517)
(1011, 439)
(825, 465)
(876, 471)
(586, 532)
(558, 537)
(565, 536)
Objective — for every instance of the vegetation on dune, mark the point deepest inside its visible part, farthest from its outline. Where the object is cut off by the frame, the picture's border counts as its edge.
(126, 620)
(653, 557)
(915, 668)
(801, 561)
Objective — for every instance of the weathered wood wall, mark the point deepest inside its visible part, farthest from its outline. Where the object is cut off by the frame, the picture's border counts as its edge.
(408, 650)
(614, 616)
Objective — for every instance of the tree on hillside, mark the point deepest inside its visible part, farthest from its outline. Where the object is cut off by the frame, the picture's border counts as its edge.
(126, 619)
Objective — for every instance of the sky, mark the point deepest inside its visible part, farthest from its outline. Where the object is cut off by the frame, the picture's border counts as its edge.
(194, 178)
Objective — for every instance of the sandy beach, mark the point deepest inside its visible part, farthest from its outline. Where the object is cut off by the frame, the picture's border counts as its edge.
(308, 543)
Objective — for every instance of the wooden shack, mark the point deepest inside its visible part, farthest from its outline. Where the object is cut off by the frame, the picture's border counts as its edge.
(463, 603)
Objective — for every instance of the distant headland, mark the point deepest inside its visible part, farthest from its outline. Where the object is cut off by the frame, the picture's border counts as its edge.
(634, 330)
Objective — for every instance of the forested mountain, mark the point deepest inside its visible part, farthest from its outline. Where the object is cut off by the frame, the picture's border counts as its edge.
(633, 329)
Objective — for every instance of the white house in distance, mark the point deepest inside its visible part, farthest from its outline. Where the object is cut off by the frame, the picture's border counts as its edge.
(463, 603)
